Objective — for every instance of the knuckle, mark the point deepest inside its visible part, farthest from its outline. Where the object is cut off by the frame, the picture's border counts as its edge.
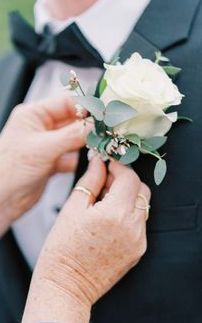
(17, 110)
(140, 251)
(143, 247)
(133, 177)
(78, 131)
(113, 218)
(146, 190)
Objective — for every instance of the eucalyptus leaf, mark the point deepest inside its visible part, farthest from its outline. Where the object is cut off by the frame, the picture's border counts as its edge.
(92, 104)
(172, 70)
(160, 58)
(135, 139)
(164, 59)
(103, 144)
(132, 154)
(160, 171)
(118, 112)
(153, 143)
(102, 86)
(93, 140)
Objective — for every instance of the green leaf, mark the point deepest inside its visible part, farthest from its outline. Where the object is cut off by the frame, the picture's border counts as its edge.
(172, 70)
(93, 140)
(160, 171)
(92, 104)
(131, 155)
(103, 144)
(182, 118)
(102, 86)
(153, 143)
(135, 139)
(160, 58)
(118, 112)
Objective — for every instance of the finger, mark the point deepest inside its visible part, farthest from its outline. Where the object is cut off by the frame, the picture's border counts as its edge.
(67, 163)
(107, 186)
(142, 201)
(56, 110)
(138, 219)
(109, 182)
(124, 188)
(93, 180)
(69, 138)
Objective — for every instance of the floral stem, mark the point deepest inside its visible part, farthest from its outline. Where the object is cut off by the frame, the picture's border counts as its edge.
(79, 85)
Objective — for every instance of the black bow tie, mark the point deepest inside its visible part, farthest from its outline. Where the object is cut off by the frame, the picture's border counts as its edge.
(69, 46)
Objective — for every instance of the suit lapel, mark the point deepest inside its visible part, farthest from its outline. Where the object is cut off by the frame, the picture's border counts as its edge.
(163, 25)
(15, 80)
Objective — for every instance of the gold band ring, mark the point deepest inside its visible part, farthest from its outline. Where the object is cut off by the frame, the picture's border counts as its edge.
(146, 207)
(85, 191)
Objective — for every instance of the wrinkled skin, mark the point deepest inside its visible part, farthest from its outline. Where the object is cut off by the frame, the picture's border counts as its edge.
(91, 246)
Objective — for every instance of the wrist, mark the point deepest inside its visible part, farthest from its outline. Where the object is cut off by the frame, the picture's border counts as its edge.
(47, 302)
(67, 277)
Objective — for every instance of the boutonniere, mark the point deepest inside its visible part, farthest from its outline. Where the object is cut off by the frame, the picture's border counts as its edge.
(131, 114)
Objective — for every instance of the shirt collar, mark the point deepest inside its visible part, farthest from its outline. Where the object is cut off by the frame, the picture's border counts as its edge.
(106, 24)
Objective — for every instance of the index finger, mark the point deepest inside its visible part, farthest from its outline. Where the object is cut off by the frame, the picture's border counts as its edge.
(124, 188)
(56, 110)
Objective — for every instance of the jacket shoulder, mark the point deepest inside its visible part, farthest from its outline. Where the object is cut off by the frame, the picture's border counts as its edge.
(10, 60)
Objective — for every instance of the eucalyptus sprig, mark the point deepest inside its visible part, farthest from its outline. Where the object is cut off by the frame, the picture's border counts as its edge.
(163, 61)
(107, 139)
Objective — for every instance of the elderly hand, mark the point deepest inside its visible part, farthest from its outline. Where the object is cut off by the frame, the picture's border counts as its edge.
(33, 146)
(91, 246)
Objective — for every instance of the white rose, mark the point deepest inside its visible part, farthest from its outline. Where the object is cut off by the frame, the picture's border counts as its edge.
(145, 86)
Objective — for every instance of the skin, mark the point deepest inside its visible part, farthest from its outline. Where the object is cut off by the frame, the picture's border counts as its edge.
(90, 248)
(64, 9)
(34, 146)
(92, 244)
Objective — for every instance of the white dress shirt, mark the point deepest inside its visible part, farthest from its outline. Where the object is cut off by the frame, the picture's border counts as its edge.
(106, 25)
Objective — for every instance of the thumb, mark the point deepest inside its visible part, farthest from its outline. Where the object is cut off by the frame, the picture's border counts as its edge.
(69, 138)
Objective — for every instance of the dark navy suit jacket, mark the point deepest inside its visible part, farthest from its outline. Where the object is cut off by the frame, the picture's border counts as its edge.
(166, 286)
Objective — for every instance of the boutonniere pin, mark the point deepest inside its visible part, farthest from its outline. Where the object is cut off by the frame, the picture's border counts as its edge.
(131, 115)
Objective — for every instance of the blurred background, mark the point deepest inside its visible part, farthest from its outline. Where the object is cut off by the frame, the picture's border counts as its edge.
(24, 6)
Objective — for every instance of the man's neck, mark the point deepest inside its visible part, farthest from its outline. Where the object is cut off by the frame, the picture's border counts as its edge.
(64, 9)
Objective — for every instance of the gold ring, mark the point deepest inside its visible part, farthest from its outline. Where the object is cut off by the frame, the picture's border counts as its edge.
(144, 208)
(85, 191)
